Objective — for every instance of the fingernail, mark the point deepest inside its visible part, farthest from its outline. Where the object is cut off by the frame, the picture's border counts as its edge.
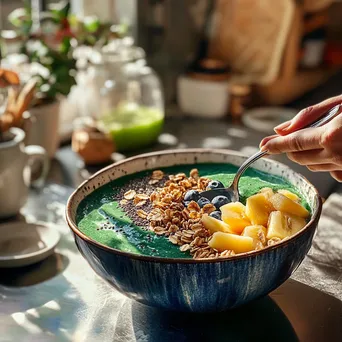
(263, 148)
(263, 142)
(282, 126)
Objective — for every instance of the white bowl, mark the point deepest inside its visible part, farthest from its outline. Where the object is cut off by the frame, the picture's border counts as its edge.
(203, 98)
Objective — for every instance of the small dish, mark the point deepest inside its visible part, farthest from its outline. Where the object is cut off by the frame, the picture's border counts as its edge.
(203, 98)
(264, 119)
(23, 244)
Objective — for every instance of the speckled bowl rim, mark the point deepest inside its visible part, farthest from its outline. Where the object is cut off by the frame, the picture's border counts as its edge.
(72, 225)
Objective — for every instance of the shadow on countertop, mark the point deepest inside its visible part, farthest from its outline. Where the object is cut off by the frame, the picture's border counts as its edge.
(293, 312)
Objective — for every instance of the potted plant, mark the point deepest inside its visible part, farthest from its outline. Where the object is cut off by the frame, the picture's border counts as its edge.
(49, 48)
(48, 58)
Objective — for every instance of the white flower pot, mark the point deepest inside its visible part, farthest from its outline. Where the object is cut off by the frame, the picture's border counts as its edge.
(44, 128)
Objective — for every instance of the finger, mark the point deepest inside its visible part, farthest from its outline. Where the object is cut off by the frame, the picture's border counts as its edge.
(337, 175)
(283, 125)
(309, 115)
(308, 139)
(323, 167)
(267, 139)
(311, 157)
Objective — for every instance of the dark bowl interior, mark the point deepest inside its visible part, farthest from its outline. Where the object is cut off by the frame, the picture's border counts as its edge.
(187, 284)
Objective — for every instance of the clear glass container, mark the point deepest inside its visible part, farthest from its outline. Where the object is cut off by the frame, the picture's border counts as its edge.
(126, 96)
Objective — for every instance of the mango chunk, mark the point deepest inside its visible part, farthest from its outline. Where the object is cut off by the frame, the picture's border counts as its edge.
(234, 214)
(258, 209)
(284, 225)
(289, 195)
(225, 241)
(277, 226)
(267, 192)
(215, 225)
(286, 205)
(257, 233)
(295, 223)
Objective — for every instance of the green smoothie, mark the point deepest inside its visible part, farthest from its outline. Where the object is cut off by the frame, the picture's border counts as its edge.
(132, 126)
(101, 218)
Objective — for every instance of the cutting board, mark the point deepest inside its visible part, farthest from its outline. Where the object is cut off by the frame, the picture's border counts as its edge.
(251, 35)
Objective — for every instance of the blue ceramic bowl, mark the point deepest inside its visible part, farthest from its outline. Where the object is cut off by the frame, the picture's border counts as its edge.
(187, 284)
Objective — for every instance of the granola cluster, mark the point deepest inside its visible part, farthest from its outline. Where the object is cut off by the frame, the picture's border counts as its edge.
(171, 218)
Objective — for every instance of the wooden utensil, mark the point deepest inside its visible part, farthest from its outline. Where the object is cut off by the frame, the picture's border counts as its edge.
(18, 100)
(6, 122)
(23, 100)
(8, 78)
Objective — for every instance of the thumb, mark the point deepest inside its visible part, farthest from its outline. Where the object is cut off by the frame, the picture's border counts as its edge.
(307, 116)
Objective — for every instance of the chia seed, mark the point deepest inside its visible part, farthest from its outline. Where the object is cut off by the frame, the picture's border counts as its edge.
(141, 186)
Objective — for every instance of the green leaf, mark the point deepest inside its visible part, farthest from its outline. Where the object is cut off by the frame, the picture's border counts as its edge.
(60, 10)
(74, 22)
(91, 23)
(21, 18)
(17, 17)
(65, 45)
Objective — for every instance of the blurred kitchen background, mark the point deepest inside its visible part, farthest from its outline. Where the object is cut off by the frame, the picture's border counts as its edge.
(120, 77)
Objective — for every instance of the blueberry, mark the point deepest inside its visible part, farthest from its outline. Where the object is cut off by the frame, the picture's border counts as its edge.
(203, 201)
(219, 201)
(192, 195)
(215, 185)
(216, 214)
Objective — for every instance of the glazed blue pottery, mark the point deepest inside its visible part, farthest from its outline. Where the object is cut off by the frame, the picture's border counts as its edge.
(195, 285)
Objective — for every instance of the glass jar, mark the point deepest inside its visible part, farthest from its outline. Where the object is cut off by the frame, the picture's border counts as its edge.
(127, 97)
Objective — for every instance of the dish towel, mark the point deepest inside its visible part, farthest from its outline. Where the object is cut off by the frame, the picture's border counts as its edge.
(322, 268)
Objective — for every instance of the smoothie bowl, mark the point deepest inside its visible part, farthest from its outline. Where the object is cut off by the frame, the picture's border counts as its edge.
(144, 228)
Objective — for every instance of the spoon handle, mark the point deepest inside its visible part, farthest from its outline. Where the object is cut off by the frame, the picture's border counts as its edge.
(329, 115)
(245, 166)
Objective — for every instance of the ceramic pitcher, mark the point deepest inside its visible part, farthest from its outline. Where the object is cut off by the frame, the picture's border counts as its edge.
(15, 171)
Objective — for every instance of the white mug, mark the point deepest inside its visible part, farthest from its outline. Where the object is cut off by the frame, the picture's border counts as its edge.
(15, 171)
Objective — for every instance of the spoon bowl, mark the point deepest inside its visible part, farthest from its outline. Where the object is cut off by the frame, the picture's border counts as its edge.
(232, 192)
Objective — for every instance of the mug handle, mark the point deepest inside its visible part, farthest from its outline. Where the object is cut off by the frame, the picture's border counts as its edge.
(35, 152)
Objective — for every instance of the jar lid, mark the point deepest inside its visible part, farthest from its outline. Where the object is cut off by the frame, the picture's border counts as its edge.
(118, 50)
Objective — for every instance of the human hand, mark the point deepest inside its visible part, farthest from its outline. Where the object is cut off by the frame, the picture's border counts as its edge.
(319, 149)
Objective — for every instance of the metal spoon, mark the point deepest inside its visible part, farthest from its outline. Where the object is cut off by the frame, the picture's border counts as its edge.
(232, 192)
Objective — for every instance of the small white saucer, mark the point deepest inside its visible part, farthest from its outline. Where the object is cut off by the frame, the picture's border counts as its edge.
(23, 244)
(264, 119)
